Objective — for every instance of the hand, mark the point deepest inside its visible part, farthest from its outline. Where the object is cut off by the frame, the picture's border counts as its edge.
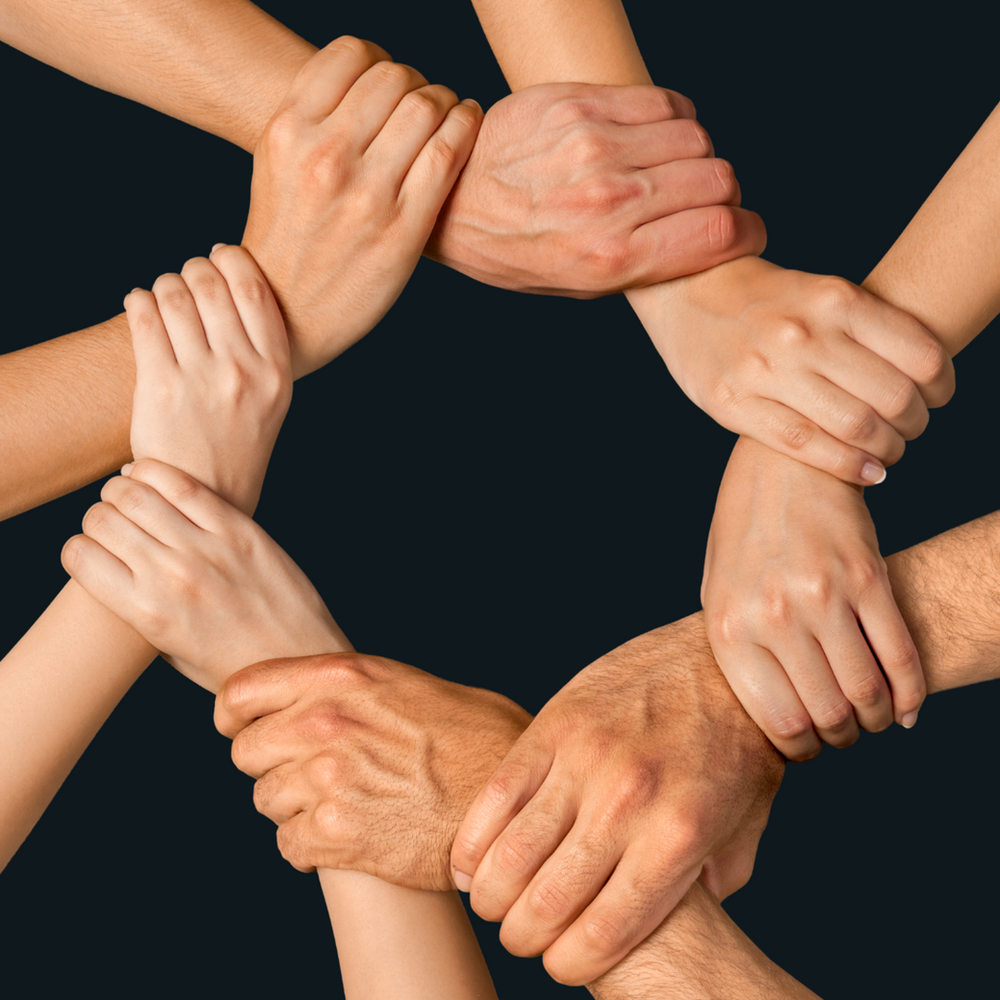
(200, 580)
(365, 763)
(640, 775)
(812, 366)
(575, 189)
(213, 380)
(349, 177)
(797, 600)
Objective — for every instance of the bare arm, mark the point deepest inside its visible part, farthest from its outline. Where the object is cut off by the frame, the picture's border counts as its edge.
(221, 65)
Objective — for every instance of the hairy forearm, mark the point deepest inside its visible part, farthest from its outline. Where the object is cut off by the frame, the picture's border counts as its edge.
(57, 687)
(943, 268)
(698, 953)
(65, 407)
(221, 65)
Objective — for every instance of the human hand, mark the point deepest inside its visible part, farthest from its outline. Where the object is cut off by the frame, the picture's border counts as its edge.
(576, 189)
(365, 763)
(797, 601)
(642, 774)
(348, 179)
(812, 366)
(196, 577)
(213, 379)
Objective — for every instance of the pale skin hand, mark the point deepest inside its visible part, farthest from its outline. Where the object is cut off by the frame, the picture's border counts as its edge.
(213, 380)
(755, 346)
(63, 679)
(793, 570)
(207, 583)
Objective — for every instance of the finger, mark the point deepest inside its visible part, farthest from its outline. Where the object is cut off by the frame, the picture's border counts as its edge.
(270, 686)
(661, 143)
(370, 103)
(272, 740)
(872, 379)
(150, 341)
(513, 784)
(144, 507)
(892, 645)
(567, 882)
(764, 690)
(282, 793)
(626, 912)
(691, 241)
(409, 128)
(906, 344)
(810, 673)
(638, 104)
(104, 576)
(181, 319)
(325, 79)
(679, 186)
(791, 433)
(858, 674)
(438, 164)
(111, 529)
(219, 317)
(254, 301)
(296, 836)
(517, 854)
(196, 502)
(845, 417)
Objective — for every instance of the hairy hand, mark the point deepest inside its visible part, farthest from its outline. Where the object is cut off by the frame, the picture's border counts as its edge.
(197, 578)
(799, 609)
(365, 763)
(213, 378)
(348, 179)
(642, 774)
(577, 189)
(810, 365)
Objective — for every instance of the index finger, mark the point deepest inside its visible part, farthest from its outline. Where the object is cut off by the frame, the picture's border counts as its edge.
(264, 688)
(641, 104)
(513, 784)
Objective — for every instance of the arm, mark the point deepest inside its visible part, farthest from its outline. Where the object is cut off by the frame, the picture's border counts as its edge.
(793, 564)
(807, 364)
(63, 679)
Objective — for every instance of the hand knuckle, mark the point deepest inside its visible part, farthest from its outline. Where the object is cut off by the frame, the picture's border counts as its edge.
(859, 424)
(787, 726)
(835, 717)
(726, 185)
(867, 691)
(721, 230)
(795, 434)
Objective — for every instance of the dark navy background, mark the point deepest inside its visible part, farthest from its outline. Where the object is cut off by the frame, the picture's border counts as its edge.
(521, 487)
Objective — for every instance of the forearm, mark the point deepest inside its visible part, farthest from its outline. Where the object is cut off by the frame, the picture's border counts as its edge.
(403, 943)
(698, 953)
(221, 65)
(65, 407)
(943, 268)
(57, 687)
(561, 41)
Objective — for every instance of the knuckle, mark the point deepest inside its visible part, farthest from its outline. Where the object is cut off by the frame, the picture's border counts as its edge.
(291, 849)
(422, 104)
(251, 290)
(795, 434)
(932, 362)
(726, 184)
(867, 574)
(721, 230)
(514, 856)
(357, 47)
(698, 136)
(835, 717)
(900, 397)
(96, 517)
(859, 424)
(776, 607)
(548, 902)
(73, 553)
(867, 691)
(793, 335)
(603, 932)
(836, 295)
(788, 726)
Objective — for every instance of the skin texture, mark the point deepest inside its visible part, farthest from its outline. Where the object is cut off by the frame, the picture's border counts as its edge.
(785, 623)
(61, 681)
(225, 67)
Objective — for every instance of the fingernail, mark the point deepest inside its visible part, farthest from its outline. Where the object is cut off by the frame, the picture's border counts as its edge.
(909, 720)
(873, 473)
(462, 881)
(472, 103)
(126, 469)
(216, 247)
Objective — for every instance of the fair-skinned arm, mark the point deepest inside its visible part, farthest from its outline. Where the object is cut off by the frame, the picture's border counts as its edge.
(333, 741)
(571, 189)
(808, 364)
(209, 587)
(793, 571)
(197, 332)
